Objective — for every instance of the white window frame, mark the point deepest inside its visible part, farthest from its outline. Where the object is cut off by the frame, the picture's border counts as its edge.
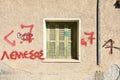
(78, 20)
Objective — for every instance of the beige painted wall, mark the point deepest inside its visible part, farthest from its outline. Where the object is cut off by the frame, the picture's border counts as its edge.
(13, 13)
(109, 30)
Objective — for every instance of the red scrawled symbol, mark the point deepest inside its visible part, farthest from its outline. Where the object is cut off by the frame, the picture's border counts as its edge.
(24, 37)
(109, 44)
(83, 42)
(90, 38)
(12, 43)
(15, 55)
(29, 26)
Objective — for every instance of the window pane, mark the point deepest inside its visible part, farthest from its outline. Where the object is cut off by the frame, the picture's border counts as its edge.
(52, 32)
(61, 48)
(52, 49)
(61, 32)
(69, 49)
(69, 34)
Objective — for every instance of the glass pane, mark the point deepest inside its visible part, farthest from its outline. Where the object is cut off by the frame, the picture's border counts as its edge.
(52, 32)
(69, 34)
(61, 32)
(52, 49)
(61, 48)
(69, 49)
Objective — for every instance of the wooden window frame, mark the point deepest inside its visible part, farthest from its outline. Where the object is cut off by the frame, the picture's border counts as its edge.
(78, 20)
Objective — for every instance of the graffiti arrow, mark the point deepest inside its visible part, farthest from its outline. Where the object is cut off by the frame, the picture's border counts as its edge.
(12, 43)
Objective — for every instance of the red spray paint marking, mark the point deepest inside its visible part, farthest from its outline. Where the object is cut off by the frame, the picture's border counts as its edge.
(109, 46)
(27, 36)
(21, 42)
(83, 42)
(29, 26)
(14, 55)
(12, 43)
(91, 38)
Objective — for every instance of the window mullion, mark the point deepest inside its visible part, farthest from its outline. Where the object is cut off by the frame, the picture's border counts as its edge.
(65, 41)
(48, 41)
(56, 40)
(69, 41)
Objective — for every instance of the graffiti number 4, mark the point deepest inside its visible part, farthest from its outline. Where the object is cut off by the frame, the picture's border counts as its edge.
(110, 45)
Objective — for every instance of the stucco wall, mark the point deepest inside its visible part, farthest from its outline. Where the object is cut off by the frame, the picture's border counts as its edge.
(14, 13)
(109, 30)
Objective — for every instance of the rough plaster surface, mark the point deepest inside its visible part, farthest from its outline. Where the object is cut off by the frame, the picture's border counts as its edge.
(113, 74)
(13, 13)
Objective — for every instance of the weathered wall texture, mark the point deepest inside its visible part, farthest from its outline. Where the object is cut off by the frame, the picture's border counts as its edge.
(110, 27)
(14, 13)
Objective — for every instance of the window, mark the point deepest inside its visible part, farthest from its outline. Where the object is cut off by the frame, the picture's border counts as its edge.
(62, 39)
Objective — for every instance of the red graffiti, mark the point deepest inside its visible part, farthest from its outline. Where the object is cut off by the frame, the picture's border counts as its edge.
(83, 42)
(29, 26)
(109, 44)
(14, 55)
(12, 43)
(25, 37)
(90, 38)
(108, 41)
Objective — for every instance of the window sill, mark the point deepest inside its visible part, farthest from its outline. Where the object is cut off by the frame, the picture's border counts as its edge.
(61, 61)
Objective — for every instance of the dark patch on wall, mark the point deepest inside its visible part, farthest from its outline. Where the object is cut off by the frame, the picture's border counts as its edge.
(117, 4)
